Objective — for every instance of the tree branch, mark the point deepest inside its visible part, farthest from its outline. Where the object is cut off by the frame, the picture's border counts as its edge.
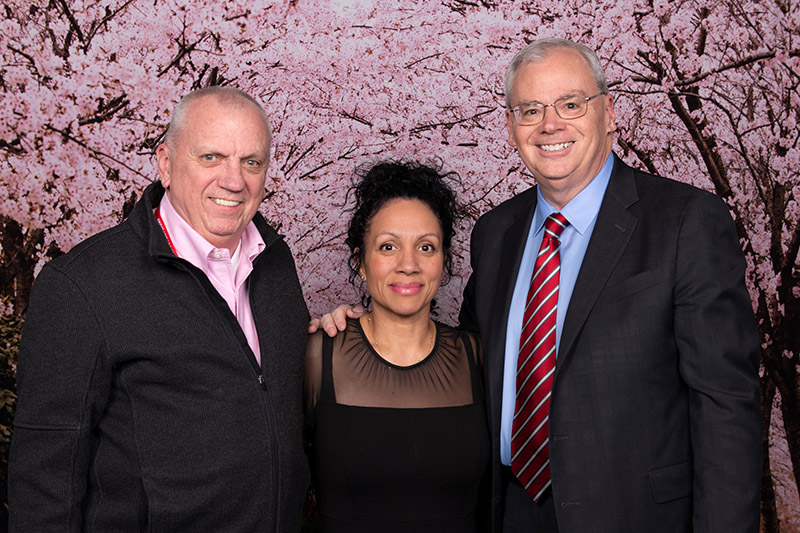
(109, 15)
(104, 114)
(93, 151)
(353, 116)
(424, 127)
(72, 22)
(437, 54)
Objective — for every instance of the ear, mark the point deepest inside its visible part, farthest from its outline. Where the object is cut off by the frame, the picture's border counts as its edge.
(611, 125)
(510, 128)
(362, 273)
(162, 158)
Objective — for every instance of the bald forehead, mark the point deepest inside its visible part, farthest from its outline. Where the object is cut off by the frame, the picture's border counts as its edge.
(200, 106)
(563, 51)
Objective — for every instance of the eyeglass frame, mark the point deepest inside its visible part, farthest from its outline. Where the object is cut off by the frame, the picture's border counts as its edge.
(516, 109)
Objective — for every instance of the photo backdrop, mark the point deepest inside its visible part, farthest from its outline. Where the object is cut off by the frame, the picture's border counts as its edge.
(705, 93)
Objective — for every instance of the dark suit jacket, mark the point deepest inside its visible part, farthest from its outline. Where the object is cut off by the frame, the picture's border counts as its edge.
(654, 414)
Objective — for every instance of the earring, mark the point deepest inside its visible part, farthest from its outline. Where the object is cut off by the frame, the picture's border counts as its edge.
(363, 277)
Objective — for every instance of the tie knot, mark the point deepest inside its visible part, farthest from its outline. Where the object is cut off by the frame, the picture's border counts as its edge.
(555, 224)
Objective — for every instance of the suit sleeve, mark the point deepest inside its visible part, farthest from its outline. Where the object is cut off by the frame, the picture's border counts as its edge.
(62, 381)
(719, 356)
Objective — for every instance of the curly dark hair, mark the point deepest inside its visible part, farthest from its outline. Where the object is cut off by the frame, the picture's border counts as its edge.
(376, 184)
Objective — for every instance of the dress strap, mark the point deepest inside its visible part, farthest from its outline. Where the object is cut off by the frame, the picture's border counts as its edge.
(474, 369)
(327, 393)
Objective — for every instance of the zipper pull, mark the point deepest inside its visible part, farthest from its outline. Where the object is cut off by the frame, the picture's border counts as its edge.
(262, 381)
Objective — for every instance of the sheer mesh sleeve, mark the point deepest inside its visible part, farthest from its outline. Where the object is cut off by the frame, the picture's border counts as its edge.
(476, 347)
(313, 374)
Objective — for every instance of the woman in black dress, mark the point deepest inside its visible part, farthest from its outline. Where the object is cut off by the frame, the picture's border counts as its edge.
(394, 403)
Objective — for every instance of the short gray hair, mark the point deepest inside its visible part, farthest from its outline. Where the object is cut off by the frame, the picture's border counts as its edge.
(225, 95)
(537, 51)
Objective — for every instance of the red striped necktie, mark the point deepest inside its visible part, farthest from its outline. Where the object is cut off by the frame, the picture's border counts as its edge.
(530, 457)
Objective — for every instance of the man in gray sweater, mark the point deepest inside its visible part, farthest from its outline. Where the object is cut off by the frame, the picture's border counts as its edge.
(161, 364)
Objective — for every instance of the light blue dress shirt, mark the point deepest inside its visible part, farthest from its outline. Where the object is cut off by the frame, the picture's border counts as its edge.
(581, 212)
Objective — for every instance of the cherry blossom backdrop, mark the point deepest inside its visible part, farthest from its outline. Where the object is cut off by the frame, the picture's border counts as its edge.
(706, 92)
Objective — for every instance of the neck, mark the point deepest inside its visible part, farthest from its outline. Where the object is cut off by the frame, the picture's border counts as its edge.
(559, 193)
(402, 342)
(232, 248)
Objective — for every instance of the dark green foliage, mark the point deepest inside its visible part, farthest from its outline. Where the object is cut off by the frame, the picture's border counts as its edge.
(10, 333)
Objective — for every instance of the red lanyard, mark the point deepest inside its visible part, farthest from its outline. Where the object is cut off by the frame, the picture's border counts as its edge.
(160, 220)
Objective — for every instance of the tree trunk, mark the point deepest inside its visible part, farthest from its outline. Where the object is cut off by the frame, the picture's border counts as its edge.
(769, 511)
(18, 259)
(790, 408)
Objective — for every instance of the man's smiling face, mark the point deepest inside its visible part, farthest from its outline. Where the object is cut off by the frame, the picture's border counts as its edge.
(563, 155)
(214, 172)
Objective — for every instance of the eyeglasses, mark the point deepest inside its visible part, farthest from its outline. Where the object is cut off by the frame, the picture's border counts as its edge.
(568, 108)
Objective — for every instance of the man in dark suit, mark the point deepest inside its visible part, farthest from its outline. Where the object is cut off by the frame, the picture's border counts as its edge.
(654, 418)
(646, 415)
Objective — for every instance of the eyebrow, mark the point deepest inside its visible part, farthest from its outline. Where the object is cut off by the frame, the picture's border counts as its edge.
(397, 236)
(567, 95)
(261, 157)
(205, 150)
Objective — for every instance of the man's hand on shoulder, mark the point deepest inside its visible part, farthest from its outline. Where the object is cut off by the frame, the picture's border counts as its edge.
(336, 321)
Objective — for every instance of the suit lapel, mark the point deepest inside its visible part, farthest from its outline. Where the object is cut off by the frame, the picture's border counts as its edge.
(610, 237)
(514, 240)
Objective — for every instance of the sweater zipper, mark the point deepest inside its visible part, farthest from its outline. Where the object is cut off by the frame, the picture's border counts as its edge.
(271, 423)
(276, 499)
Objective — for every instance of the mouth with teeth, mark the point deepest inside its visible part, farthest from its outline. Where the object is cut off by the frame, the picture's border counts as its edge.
(556, 147)
(406, 288)
(225, 203)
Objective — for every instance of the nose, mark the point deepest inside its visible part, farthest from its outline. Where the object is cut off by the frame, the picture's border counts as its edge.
(408, 263)
(550, 118)
(232, 178)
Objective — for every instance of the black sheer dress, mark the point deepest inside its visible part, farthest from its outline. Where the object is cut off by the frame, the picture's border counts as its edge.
(395, 449)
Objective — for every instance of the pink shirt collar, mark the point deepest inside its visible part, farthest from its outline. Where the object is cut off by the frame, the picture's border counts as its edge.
(215, 263)
(193, 247)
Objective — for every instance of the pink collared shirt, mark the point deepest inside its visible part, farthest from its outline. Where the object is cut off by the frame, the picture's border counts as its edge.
(228, 274)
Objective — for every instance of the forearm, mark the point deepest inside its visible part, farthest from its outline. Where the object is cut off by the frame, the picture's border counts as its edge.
(46, 484)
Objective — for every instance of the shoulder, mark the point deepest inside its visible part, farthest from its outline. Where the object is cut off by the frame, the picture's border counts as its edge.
(104, 251)
(317, 341)
(509, 210)
(343, 343)
(655, 188)
(652, 197)
(115, 245)
(664, 198)
(464, 340)
(314, 344)
(491, 225)
(313, 361)
(267, 231)
(277, 256)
